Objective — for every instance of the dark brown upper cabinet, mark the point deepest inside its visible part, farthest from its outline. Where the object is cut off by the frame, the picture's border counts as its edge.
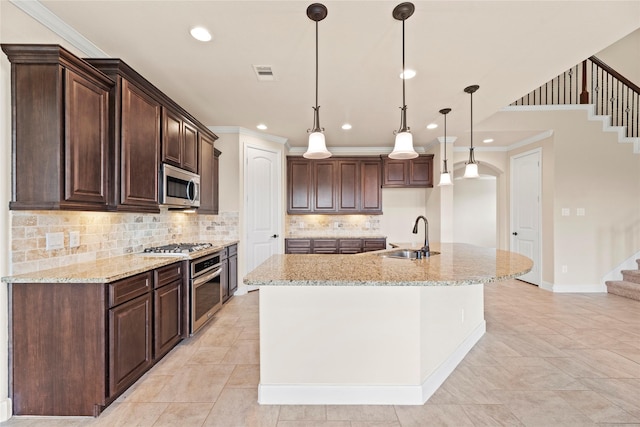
(339, 185)
(416, 172)
(140, 146)
(179, 141)
(209, 183)
(87, 133)
(60, 120)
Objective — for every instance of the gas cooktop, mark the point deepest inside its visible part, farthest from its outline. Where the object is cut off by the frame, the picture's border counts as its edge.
(178, 248)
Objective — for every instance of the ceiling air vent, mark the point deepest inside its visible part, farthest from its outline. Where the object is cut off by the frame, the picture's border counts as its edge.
(264, 73)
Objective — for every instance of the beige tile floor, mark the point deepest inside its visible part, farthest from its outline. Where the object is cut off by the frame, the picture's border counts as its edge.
(546, 360)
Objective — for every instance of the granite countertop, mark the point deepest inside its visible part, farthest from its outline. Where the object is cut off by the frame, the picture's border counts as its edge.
(458, 264)
(110, 269)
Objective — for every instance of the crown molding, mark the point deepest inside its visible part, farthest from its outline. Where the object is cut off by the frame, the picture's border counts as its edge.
(40, 13)
(530, 140)
(248, 132)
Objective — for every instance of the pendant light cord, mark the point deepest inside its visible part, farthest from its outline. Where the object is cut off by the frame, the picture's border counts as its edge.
(316, 64)
(404, 76)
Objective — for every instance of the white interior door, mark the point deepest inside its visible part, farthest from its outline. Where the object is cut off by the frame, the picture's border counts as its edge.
(263, 190)
(525, 210)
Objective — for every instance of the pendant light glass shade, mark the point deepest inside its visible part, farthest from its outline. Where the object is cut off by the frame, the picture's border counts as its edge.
(471, 170)
(317, 148)
(445, 176)
(403, 147)
(445, 179)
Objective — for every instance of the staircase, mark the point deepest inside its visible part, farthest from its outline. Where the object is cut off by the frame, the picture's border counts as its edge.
(610, 97)
(629, 286)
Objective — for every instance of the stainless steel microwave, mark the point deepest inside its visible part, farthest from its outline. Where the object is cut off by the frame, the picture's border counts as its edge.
(178, 187)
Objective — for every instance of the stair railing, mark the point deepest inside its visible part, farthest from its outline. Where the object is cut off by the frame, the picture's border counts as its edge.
(612, 94)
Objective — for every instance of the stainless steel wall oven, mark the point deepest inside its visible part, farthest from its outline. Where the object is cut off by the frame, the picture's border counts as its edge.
(206, 283)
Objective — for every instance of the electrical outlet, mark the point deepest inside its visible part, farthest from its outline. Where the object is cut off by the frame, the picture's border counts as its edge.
(336, 224)
(564, 269)
(367, 225)
(74, 239)
(301, 224)
(55, 241)
(566, 211)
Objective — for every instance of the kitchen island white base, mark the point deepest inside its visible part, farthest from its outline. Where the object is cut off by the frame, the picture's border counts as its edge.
(364, 344)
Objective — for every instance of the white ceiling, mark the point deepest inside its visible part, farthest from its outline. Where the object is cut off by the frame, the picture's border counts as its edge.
(506, 47)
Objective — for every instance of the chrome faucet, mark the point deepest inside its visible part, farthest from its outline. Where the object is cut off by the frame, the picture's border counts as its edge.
(425, 249)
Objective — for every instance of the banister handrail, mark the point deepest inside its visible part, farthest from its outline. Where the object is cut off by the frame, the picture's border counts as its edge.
(615, 74)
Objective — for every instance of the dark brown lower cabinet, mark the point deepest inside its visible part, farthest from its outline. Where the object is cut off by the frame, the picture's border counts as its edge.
(167, 315)
(232, 263)
(76, 346)
(129, 342)
(333, 246)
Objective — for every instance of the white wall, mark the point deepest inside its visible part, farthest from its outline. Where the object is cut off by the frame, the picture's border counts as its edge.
(474, 210)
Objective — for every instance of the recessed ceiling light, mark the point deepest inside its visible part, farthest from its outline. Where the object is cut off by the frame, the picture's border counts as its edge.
(488, 140)
(201, 33)
(262, 126)
(432, 125)
(346, 126)
(408, 73)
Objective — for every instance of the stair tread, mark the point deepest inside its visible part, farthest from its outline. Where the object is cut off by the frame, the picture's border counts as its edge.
(623, 284)
(623, 288)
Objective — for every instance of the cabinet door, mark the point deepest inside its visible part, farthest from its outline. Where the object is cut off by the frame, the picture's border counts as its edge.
(224, 280)
(129, 342)
(189, 147)
(396, 172)
(421, 171)
(348, 186)
(171, 137)
(208, 176)
(86, 141)
(140, 145)
(324, 186)
(167, 317)
(299, 191)
(233, 274)
(370, 187)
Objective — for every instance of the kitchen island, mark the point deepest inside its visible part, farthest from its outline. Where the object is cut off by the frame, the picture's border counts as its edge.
(368, 329)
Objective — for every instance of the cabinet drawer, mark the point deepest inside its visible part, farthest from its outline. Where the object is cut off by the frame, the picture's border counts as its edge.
(297, 246)
(167, 274)
(129, 288)
(351, 243)
(374, 244)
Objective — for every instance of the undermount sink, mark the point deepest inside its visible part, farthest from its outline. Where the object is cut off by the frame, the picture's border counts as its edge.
(405, 254)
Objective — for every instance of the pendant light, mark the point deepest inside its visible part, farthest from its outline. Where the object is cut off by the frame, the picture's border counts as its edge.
(317, 148)
(471, 170)
(403, 148)
(445, 176)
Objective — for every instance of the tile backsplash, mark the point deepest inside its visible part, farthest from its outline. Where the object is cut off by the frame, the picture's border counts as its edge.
(106, 235)
(332, 225)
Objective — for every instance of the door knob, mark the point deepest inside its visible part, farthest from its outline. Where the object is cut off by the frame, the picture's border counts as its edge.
(515, 233)
(275, 236)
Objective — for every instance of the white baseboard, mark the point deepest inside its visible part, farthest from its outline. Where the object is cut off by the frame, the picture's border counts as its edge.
(6, 409)
(580, 289)
(332, 394)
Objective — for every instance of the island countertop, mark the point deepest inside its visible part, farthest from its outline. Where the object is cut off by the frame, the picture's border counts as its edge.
(457, 264)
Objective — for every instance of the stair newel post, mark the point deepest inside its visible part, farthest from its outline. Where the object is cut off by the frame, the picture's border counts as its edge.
(584, 95)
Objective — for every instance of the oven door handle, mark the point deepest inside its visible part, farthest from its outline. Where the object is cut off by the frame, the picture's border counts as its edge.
(204, 279)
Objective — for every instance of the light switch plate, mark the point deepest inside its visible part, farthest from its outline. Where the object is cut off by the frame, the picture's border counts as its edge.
(566, 211)
(55, 241)
(74, 239)
(580, 212)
